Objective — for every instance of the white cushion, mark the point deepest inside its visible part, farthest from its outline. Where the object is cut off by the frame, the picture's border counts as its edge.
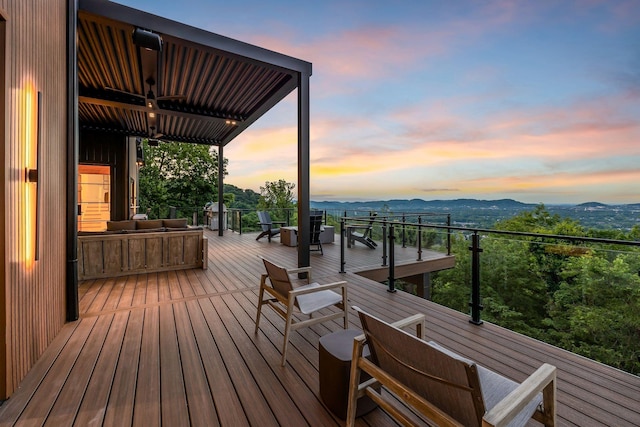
(308, 303)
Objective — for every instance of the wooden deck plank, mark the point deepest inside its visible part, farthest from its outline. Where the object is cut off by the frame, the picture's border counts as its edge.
(119, 410)
(173, 400)
(91, 289)
(68, 402)
(200, 402)
(191, 333)
(140, 290)
(51, 386)
(11, 410)
(264, 374)
(292, 380)
(94, 402)
(153, 288)
(128, 291)
(175, 291)
(256, 407)
(226, 399)
(113, 299)
(85, 287)
(164, 293)
(147, 400)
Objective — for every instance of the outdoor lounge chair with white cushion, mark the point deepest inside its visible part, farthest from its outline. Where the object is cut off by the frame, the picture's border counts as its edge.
(307, 299)
(442, 386)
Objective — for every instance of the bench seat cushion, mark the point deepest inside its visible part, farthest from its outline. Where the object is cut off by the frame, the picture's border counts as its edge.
(148, 224)
(121, 225)
(175, 223)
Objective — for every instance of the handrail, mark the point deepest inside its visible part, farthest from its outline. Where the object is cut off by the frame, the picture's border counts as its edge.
(389, 226)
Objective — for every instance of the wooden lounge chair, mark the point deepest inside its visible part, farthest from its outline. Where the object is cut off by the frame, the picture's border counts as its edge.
(445, 388)
(363, 236)
(307, 299)
(267, 226)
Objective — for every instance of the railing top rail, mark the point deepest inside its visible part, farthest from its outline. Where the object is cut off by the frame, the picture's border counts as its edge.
(581, 239)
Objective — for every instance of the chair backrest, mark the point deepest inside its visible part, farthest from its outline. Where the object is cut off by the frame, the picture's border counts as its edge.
(265, 219)
(368, 231)
(449, 383)
(316, 226)
(278, 277)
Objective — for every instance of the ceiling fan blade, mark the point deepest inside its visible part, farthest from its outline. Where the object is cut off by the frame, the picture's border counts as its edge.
(124, 92)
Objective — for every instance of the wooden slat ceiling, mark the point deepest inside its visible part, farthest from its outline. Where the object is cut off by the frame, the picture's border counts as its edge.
(198, 93)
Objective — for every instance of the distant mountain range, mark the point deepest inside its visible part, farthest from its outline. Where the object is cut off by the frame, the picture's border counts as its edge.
(420, 204)
(484, 213)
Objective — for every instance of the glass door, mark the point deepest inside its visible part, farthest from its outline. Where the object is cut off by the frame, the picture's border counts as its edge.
(94, 197)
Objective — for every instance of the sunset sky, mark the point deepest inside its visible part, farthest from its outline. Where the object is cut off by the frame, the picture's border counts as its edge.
(538, 101)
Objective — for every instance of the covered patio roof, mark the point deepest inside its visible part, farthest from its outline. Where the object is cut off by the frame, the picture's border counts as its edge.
(143, 75)
(200, 87)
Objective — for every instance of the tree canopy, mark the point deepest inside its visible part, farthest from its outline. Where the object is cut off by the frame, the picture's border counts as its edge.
(583, 298)
(178, 174)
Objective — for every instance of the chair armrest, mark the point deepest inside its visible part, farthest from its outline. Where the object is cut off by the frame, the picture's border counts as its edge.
(417, 320)
(299, 270)
(279, 222)
(515, 401)
(328, 286)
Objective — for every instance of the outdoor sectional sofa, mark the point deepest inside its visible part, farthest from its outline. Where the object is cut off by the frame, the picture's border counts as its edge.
(140, 246)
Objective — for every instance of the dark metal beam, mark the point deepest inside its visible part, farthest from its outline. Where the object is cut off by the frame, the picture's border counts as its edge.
(220, 190)
(205, 116)
(304, 224)
(71, 287)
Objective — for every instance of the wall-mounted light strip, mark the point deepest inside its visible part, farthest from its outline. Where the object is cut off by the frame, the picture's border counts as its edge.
(33, 175)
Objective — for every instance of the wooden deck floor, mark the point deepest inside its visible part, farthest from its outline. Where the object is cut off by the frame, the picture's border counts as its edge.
(178, 349)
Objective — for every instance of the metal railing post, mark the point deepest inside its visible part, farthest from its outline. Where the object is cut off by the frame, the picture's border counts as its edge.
(240, 220)
(404, 235)
(475, 305)
(392, 261)
(384, 241)
(448, 234)
(419, 237)
(343, 233)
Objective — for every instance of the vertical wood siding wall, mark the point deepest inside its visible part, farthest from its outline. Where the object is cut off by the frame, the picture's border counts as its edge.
(33, 297)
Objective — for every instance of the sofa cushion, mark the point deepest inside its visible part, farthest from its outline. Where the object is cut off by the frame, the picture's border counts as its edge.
(121, 225)
(175, 223)
(145, 224)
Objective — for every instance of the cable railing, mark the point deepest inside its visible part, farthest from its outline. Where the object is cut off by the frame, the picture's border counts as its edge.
(394, 230)
(579, 293)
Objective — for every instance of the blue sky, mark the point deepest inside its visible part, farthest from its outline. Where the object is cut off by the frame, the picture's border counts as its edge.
(538, 101)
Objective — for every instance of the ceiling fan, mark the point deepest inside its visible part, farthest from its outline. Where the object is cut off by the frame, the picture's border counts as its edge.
(151, 99)
(151, 102)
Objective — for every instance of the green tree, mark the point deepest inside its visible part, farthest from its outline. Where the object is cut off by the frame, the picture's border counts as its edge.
(277, 196)
(243, 199)
(452, 288)
(596, 310)
(178, 174)
(581, 297)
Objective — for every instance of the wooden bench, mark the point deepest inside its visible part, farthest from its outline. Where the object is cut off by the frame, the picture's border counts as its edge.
(130, 252)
